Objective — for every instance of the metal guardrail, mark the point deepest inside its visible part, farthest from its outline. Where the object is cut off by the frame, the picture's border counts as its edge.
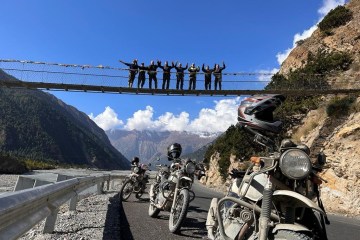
(22, 210)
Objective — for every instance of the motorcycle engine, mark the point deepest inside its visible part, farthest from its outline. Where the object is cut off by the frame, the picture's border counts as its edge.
(235, 219)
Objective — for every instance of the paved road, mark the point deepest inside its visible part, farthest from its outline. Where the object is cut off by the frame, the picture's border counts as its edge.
(136, 224)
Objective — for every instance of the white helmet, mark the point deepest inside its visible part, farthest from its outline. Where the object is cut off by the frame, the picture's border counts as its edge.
(257, 112)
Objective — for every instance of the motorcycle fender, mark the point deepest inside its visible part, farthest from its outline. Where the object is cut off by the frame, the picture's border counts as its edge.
(186, 178)
(291, 227)
(297, 200)
(211, 218)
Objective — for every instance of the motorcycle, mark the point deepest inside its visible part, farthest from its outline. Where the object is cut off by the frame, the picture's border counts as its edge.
(171, 191)
(273, 198)
(135, 182)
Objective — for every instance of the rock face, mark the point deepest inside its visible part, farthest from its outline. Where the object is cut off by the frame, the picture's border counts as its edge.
(344, 38)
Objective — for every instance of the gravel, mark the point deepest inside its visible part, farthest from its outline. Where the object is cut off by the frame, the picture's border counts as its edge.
(7, 182)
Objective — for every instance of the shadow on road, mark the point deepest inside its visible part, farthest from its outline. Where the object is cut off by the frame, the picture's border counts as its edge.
(193, 228)
(196, 209)
(116, 223)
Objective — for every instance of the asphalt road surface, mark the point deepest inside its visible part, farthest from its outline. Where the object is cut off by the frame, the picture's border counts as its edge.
(135, 223)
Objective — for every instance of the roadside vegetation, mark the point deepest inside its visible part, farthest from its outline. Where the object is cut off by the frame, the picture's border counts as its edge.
(338, 107)
(337, 17)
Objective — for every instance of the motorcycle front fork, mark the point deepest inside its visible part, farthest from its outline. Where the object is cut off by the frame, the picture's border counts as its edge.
(265, 211)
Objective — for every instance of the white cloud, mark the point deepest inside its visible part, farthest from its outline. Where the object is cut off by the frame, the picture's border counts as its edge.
(323, 10)
(211, 120)
(218, 119)
(107, 119)
(265, 75)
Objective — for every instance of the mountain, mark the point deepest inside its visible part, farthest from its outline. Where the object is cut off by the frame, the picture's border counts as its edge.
(37, 125)
(148, 145)
(324, 123)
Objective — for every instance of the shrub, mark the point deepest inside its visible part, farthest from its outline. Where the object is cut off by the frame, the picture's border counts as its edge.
(313, 74)
(335, 18)
(340, 106)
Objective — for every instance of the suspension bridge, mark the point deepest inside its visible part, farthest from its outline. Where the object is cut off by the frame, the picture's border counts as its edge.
(105, 79)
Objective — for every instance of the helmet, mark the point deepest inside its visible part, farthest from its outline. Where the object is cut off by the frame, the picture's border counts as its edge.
(257, 112)
(174, 151)
(135, 161)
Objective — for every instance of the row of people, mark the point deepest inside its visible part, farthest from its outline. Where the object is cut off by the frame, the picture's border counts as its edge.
(151, 70)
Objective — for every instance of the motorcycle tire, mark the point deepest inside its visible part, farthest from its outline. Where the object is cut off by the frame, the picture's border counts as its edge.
(124, 197)
(153, 211)
(139, 194)
(290, 235)
(178, 215)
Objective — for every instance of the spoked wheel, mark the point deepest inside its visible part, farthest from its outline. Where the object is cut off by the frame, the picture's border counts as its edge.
(126, 190)
(179, 212)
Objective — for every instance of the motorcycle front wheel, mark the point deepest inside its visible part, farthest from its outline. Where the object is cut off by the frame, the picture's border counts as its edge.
(126, 190)
(178, 214)
(153, 211)
(290, 235)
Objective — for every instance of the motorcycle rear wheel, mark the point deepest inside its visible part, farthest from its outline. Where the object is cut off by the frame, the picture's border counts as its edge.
(290, 235)
(153, 211)
(126, 190)
(178, 215)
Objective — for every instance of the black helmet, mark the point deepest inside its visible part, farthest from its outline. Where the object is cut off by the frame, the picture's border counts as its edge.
(174, 151)
(135, 160)
(257, 112)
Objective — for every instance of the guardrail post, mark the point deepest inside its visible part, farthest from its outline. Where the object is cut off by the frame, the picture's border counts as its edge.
(72, 203)
(24, 183)
(50, 221)
(108, 185)
(100, 187)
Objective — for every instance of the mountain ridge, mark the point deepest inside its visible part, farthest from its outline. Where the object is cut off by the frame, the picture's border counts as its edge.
(37, 125)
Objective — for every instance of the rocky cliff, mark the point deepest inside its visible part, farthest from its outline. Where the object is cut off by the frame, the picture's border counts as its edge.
(334, 126)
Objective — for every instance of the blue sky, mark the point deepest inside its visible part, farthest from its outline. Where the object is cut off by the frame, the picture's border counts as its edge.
(249, 36)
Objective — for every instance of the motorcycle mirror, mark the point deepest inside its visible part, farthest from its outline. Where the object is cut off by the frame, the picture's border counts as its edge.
(321, 158)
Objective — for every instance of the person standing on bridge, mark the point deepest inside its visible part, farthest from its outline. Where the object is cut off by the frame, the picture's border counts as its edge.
(152, 73)
(166, 73)
(180, 75)
(141, 76)
(218, 75)
(192, 75)
(207, 72)
(133, 70)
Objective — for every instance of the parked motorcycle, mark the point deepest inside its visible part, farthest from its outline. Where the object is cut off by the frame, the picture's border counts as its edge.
(171, 190)
(135, 182)
(273, 198)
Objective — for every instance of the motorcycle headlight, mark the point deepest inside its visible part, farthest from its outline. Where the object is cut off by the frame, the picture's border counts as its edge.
(295, 164)
(190, 168)
(136, 170)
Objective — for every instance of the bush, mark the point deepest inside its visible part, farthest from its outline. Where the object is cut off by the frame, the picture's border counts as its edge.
(335, 18)
(313, 74)
(339, 107)
(234, 141)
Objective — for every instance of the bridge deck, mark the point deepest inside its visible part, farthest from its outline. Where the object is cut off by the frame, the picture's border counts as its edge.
(146, 91)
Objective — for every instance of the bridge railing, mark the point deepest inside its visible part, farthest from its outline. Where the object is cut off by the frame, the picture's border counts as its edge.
(22, 210)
